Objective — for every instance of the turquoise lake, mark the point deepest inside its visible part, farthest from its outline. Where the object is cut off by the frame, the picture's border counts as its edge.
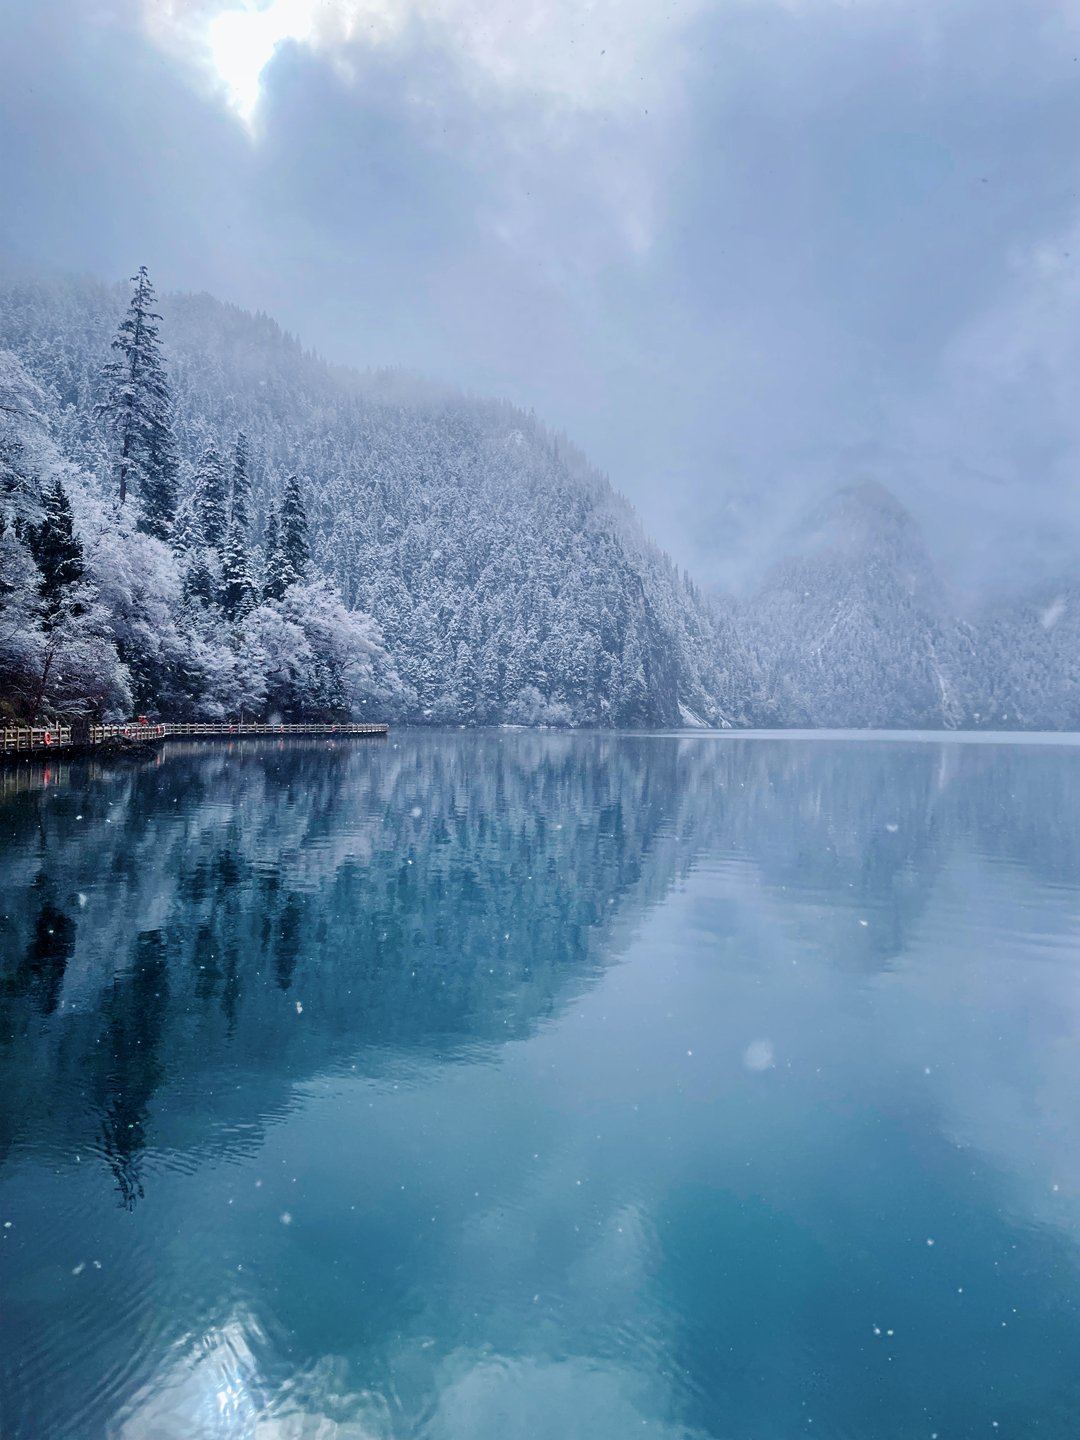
(512, 1085)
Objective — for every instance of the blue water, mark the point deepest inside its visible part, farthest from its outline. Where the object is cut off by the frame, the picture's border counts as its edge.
(484, 1085)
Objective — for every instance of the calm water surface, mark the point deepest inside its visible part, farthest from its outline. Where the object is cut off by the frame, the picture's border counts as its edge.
(496, 1085)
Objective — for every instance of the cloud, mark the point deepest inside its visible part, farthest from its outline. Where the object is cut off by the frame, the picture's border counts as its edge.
(533, 92)
(1002, 423)
(743, 251)
(612, 56)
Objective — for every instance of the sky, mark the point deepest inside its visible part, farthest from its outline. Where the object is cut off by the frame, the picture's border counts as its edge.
(741, 251)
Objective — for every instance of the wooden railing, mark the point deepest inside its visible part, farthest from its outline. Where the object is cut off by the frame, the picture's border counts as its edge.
(24, 738)
(35, 737)
(245, 729)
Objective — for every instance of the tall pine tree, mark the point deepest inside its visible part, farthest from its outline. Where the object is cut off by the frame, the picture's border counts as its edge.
(138, 411)
(273, 575)
(288, 556)
(241, 485)
(211, 499)
(58, 554)
(160, 477)
(296, 553)
(238, 594)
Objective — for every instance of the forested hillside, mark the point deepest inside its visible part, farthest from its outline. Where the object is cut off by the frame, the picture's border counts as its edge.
(1026, 664)
(856, 628)
(504, 579)
(200, 519)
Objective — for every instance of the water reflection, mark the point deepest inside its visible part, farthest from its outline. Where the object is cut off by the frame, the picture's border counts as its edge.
(40, 975)
(323, 1057)
(445, 890)
(124, 1068)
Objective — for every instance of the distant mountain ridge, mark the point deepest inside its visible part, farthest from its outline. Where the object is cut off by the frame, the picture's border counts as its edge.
(856, 628)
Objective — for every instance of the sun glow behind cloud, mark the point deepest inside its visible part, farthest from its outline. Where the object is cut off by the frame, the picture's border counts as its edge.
(619, 56)
(542, 97)
(242, 43)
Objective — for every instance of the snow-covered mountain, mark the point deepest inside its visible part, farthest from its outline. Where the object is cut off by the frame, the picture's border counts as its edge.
(462, 563)
(509, 581)
(854, 628)
(1026, 670)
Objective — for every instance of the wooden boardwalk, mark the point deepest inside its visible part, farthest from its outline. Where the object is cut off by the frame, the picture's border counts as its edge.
(24, 739)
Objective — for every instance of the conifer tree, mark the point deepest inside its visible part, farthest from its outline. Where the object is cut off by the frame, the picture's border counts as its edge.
(241, 485)
(237, 585)
(274, 577)
(18, 490)
(138, 411)
(187, 535)
(238, 593)
(199, 582)
(296, 553)
(211, 501)
(58, 554)
(160, 482)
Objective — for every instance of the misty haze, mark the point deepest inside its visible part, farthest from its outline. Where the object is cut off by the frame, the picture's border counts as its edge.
(540, 681)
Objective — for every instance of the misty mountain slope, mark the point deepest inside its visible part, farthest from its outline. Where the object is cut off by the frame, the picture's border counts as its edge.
(510, 582)
(1025, 673)
(854, 630)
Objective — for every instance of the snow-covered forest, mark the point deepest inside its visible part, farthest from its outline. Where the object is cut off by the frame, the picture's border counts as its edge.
(202, 520)
(856, 628)
(300, 539)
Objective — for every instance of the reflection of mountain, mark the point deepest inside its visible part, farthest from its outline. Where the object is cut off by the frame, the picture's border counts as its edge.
(264, 912)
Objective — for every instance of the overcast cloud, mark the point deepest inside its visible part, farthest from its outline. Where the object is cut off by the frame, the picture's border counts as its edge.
(741, 252)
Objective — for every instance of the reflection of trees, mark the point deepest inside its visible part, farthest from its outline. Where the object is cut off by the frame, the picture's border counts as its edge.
(458, 888)
(128, 1069)
(287, 950)
(39, 975)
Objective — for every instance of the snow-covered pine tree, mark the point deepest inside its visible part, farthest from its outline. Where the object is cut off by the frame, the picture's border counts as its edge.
(138, 411)
(274, 581)
(160, 477)
(296, 553)
(211, 499)
(238, 592)
(241, 485)
(19, 498)
(238, 595)
(58, 555)
(199, 581)
(199, 532)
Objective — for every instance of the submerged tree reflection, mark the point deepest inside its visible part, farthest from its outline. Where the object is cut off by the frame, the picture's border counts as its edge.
(40, 973)
(127, 1068)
